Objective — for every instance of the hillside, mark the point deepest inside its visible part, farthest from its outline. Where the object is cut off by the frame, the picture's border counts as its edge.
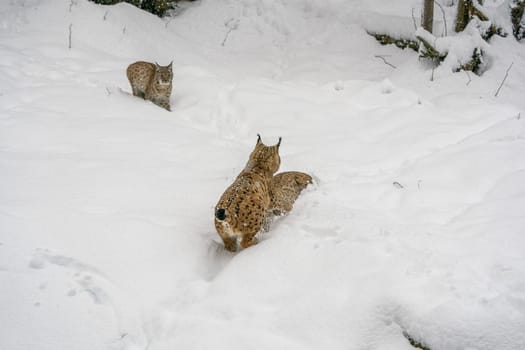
(415, 223)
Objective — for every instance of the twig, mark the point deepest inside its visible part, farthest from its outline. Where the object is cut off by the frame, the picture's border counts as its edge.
(397, 185)
(469, 78)
(70, 33)
(414, 19)
(444, 17)
(466, 72)
(108, 91)
(384, 60)
(226, 37)
(503, 81)
(105, 15)
(232, 24)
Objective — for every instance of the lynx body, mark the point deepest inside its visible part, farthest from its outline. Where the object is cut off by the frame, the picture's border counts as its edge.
(285, 189)
(245, 205)
(151, 82)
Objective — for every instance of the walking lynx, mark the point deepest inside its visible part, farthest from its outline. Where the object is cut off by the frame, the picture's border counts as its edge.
(256, 196)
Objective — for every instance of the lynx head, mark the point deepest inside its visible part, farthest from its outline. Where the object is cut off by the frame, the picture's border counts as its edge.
(265, 157)
(163, 74)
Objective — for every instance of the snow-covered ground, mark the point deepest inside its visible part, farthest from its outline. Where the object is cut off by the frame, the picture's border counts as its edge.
(416, 223)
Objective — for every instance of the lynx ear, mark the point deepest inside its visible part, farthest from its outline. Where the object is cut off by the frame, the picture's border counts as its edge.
(171, 64)
(279, 143)
(258, 139)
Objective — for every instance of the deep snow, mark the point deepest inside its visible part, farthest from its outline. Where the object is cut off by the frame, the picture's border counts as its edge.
(415, 224)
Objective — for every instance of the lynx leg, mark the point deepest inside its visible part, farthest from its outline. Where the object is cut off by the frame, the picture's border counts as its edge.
(138, 92)
(268, 221)
(164, 104)
(230, 243)
(249, 240)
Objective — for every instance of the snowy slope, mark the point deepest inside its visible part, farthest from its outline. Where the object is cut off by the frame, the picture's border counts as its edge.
(415, 224)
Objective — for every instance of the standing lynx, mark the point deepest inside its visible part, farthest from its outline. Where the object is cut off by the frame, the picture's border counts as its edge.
(151, 82)
(243, 208)
(256, 196)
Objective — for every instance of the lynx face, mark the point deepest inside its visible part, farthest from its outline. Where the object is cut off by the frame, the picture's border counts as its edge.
(163, 75)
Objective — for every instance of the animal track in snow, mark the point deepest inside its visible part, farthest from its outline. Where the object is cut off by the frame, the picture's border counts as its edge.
(83, 275)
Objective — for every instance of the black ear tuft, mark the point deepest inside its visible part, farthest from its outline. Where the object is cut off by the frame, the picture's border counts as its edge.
(220, 214)
(258, 139)
(279, 143)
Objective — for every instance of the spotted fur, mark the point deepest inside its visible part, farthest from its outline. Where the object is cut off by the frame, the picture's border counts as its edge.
(245, 205)
(151, 82)
(285, 189)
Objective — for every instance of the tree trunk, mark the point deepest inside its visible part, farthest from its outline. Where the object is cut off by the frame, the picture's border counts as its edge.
(463, 17)
(427, 20)
(518, 25)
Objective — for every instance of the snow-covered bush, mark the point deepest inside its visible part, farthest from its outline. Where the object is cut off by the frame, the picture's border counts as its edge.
(464, 47)
(157, 7)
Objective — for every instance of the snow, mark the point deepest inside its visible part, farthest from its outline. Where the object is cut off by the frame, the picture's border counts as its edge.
(415, 223)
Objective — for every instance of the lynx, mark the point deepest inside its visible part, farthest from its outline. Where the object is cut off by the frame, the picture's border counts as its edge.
(256, 196)
(285, 189)
(151, 82)
(245, 205)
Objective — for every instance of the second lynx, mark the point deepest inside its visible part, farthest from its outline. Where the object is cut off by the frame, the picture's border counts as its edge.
(151, 82)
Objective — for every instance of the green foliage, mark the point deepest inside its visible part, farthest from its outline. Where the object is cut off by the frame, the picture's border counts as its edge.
(157, 7)
(106, 2)
(474, 65)
(402, 43)
(414, 342)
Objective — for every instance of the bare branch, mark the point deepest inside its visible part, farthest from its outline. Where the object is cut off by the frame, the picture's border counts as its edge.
(468, 76)
(466, 72)
(397, 185)
(444, 17)
(384, 60)
(226, 36)
(70, 34)
(503, 81)
(231, 24)
(414, 19)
